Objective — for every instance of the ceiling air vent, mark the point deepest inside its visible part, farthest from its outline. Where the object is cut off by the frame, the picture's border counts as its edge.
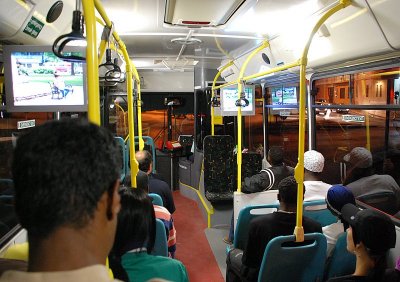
(205, 13)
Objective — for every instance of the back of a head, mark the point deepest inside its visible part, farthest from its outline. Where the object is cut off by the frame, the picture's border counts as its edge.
(314, 161)
(374, 229)
(145, 159)
(359, 157)
(275, 154)
(336, 197)
(136, 222)
(142, 181)
(288, 191)
(60, 170)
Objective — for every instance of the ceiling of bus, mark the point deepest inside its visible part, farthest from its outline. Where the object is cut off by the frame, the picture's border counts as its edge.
(149, 41)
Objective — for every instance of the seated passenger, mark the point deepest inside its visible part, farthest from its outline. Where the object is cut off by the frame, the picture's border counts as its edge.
(336, 198)
(370, 236)
(142, 181)
(361, 179)
(156, 185)
(66, 177)
(134, 242)
(264, 228)
(315, 188)
(268, 179)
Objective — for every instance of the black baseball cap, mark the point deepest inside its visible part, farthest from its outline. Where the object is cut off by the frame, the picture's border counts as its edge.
(376, 230)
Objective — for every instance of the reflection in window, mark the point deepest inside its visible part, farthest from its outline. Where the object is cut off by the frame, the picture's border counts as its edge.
(342, 93)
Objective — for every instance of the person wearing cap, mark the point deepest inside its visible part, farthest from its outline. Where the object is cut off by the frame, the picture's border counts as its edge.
(361, 179)
(315, 188)
(336, 198)
(370, 236)
(263, 229)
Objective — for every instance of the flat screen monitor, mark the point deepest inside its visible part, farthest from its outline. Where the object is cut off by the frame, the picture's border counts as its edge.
(284, 95)
(38, 81)
(229, 96)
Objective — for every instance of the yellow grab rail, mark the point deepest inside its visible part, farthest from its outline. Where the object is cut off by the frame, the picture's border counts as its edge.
(212, 93)
(240, 83)
(299, 169)
(302, 62)
(131, 72)
(92, 63)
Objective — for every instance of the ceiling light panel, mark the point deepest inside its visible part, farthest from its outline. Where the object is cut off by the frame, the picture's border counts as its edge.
(207, 13)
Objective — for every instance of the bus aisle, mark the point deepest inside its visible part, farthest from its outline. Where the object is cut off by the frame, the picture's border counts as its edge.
(193, 249)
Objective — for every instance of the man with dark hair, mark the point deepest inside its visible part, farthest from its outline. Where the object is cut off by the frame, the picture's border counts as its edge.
(66, 176)
(156, 185)
(268, 179)
(263, 229)
(142, 183)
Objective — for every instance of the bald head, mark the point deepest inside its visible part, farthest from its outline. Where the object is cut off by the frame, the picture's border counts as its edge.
(144, 160)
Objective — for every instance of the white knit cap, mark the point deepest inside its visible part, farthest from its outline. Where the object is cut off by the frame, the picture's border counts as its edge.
(314, 161)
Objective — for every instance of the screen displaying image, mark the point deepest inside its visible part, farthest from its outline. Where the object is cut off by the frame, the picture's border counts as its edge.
(284, 96)
(229, 96)
(43, 82)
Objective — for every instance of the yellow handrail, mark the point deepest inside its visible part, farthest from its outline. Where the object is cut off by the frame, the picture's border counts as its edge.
(131, 72)
(299, 169)
(302, 62)
(92, 63)
(240, 82)
(212, 93)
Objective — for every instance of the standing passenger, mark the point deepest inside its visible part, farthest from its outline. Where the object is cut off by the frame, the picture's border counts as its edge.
(66, 177)
(156, 185)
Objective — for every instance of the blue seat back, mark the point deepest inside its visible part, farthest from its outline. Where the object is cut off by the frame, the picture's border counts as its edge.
(299, 263)
(161, 243)
(341, 261)
(124, 168)
(156, 199)
(243, 223)
(323, 216)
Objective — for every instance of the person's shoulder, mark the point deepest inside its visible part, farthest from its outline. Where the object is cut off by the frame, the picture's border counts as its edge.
(310, 223)
(161, 209)
(387, 178)
(263, 219)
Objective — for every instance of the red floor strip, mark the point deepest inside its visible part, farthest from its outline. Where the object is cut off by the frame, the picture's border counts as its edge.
(192, 248)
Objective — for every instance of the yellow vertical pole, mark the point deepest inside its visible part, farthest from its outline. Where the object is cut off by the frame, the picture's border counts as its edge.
(299, 170)
(212, 93)
(92, 63)
(240, 83)
(131, 73)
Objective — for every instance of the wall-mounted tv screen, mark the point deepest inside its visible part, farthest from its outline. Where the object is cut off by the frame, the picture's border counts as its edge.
(38, 81)
(284, 95)
(229, 96)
